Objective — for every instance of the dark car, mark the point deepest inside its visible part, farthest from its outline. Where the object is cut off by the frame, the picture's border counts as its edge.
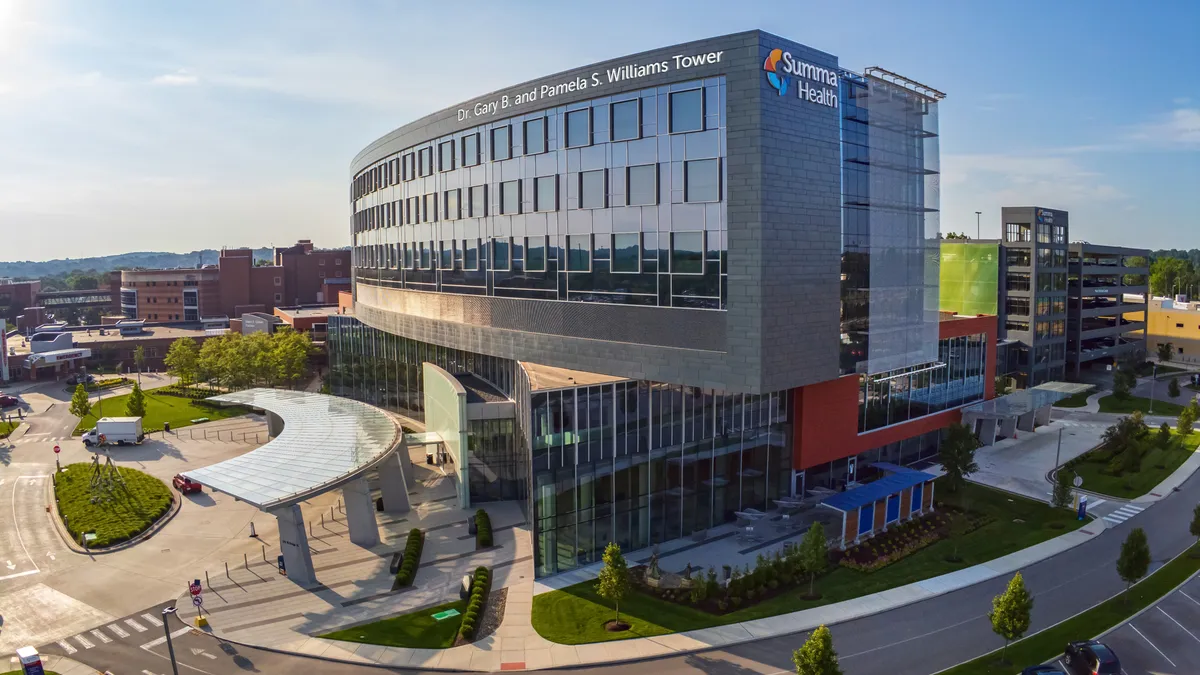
(1042, 670)
(7, 401)
(1091, 658)
(185, 484)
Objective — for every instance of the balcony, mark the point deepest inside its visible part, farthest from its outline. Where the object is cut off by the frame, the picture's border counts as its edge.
(1108, 331)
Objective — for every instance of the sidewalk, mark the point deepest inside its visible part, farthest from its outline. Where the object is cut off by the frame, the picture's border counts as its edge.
(64, 666)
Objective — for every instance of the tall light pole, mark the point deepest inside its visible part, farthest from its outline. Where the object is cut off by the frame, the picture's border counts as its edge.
(166, 615)
(977, 214)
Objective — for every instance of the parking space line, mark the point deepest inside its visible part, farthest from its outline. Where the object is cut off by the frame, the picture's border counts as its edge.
(1152, 645)
(1188, 597)
(1164, 612)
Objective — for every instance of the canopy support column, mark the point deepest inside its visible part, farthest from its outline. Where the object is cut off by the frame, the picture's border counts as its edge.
(360, 513)
(392, 484)
(293, 543)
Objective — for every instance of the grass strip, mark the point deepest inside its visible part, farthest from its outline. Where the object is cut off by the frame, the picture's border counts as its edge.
(160, 408)
(1113, 404)
(416, 629)
(1137, 483)
(6, 428)
(1048, 644)
(1074, 400)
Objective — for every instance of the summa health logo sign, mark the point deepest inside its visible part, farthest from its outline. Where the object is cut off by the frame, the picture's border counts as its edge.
(813, 83)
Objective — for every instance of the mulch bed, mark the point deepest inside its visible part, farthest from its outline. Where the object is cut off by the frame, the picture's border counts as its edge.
(493, 614)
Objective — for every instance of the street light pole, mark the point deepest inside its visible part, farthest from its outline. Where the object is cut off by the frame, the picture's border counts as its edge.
(166, 615)
(977, 230)
(1153, 379)
(1058, 451)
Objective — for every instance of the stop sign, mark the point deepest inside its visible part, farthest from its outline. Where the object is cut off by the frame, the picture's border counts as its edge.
(57, 449)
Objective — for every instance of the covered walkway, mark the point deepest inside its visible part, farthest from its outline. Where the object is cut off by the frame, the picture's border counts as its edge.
(318, 443)
(1022, 410)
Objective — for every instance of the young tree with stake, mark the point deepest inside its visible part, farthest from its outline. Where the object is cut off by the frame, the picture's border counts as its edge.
(1194, 527)
(817, 656)
(135, 405)
(613, 582)
(1010, 615)
(957, 457)
(1134, 561)
(814, 556)
(80, 406)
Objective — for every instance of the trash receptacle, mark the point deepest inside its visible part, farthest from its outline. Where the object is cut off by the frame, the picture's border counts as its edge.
(166, 427)
(282, 566)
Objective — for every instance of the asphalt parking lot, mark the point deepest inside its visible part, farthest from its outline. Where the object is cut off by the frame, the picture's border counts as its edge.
(1163, 640)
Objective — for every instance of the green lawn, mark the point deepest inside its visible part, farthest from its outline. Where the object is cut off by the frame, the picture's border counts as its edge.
(1074, 400)
(576, 615)
(119, 513)
(1146, 369)
(160, 408)
(418, 629)
(1112, 404)
(1048, 644)
(6, 428)
(1138, 484)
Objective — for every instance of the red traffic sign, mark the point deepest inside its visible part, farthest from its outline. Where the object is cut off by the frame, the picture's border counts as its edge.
(57, 449)
(194, 587)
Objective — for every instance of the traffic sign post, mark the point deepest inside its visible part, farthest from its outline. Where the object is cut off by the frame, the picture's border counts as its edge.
(57, 466)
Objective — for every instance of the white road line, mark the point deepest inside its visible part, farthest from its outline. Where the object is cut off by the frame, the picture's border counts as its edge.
(1152, 645)
(152, 619)
(66, 647)
(1189, 597)
(117, 630)
(1094, 504)
(135, 625)
(19, 574)
(101, 636)
(1164, 612)
(17, 528)
(147, 672)
(158, 641)
(84, 642)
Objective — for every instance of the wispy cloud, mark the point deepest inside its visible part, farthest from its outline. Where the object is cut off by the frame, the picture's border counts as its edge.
(1180, 129)
(179, 78)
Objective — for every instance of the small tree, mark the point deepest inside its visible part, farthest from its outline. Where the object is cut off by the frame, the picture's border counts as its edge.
(1166, 351)
(139, 360)
(959, 526)
(613, 582)
(958, 456)
(1124, 379)
(1061, 497)
(1194, 527)
(817, 656)
(1163, 439)
(1135, 558)
(1187, 418)
(1173, 388)
(80, 406)
(1010, 613)
(135, 406)
(1003, 385)
(814, 556)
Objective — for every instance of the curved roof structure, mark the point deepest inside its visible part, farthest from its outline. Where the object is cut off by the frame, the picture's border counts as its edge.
(326, 441)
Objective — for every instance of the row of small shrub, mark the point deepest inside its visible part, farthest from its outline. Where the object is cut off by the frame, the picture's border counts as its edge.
(109, 383)
(483, 529)
(412, 557)
(481, 586)
(193, 392)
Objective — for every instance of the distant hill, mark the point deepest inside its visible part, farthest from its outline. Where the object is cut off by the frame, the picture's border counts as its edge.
(146, 259)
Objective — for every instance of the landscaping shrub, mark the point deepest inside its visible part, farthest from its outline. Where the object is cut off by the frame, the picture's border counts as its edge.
(412, 558)
(481, 586)
(109, 383)
(483, 529)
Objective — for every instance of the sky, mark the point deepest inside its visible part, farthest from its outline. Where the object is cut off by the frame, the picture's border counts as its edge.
(144, 125)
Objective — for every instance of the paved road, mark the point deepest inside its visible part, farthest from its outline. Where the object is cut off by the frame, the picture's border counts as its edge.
(1163, 639)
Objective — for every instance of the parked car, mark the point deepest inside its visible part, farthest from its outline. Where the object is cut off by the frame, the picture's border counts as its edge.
(79, 379)
(1042, 670)
(7, 401)
(184, 484)
(1089, 657)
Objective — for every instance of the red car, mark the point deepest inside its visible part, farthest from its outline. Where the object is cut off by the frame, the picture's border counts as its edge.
(185, 484)
(6, 401)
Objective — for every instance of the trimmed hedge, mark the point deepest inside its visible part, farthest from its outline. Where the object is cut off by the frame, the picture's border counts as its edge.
(481, 587)
(110, 383)
(412, 558)
(483, 529)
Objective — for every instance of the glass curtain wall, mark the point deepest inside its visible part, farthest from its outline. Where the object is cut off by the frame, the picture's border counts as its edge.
(957, 378)
(640, 463)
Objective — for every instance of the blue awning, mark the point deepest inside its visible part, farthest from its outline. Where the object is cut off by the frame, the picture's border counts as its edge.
(891, 484)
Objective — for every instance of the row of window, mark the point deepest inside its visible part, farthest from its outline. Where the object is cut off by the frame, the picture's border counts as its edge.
(687, 114)
(623, 250)
(702, 183)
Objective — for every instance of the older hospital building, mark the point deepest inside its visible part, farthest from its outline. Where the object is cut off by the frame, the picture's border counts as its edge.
(641, 295)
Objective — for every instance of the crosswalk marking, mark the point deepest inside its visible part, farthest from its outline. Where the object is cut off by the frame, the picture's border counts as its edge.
(1093, 504)
(84, 642)
(151, 618)
(101, 636)
(156, 642)
(66, 647)
(135, 625)
(1123, 514)
(117, 630)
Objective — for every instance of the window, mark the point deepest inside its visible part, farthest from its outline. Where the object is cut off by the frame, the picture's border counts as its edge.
(500, 259)
(427, 255)
(1019, 326)
(478, 205)
(337, 261)
(626, 253)
(626, 120)
(687, 253)
(510, 197)
(408, 255)
(278, 281)
(451, 206)
(470, 150)
(429, 208)
(425, 161)
(641, 187)
(535, 254)
(414, 210)
(535, 136)
(579, 128)
(1017, 232)
(470, 254)
(409, 166)
(394, 171)
(1018, 306)
(579, 253)
(687, 111)
(446, 259)
(279, 297)
(545, 193)
(1060, 234)
(502, 143)
(446, 155)
(592, 189)
(701, 181)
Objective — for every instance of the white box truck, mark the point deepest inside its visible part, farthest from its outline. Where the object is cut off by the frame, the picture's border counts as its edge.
(114, 431)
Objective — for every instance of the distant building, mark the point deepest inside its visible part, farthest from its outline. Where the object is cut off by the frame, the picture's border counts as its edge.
(15, 296)
(57, 351)
(1175, 322)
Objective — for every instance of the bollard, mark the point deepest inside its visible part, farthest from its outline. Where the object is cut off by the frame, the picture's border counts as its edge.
(322, 520)
(264, 547)
(340, 506)
(246, 560)
(331, 516)
(253, 533)
(227, 570)
(207, 583)
(310, 532)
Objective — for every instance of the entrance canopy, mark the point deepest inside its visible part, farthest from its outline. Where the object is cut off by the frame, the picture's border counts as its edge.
(326, 442)
(1024, 401)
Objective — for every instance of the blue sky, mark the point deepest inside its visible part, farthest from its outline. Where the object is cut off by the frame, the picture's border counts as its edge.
(183, 125)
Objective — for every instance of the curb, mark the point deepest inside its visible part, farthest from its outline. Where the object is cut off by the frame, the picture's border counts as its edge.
(60, 528)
